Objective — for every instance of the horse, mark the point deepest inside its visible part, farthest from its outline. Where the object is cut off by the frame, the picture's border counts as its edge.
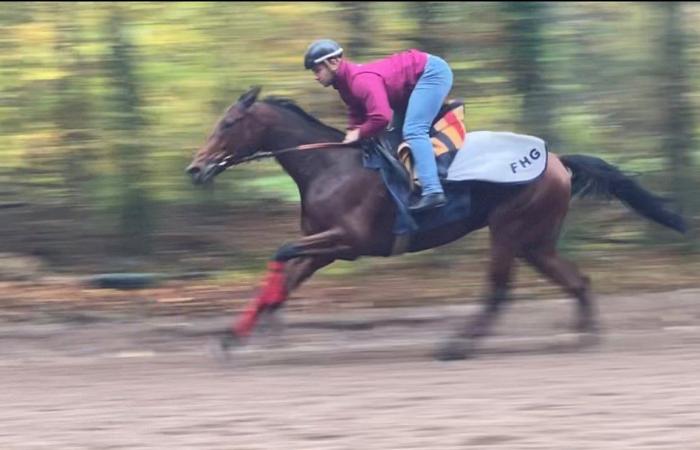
(348, 213)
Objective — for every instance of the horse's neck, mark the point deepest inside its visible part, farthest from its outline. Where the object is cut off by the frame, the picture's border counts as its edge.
(291, 135)
(306, 165)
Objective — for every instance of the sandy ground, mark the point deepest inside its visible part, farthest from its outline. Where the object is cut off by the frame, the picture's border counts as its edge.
(361, 381)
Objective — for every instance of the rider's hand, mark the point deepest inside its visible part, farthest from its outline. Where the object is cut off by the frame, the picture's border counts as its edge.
(352, 136)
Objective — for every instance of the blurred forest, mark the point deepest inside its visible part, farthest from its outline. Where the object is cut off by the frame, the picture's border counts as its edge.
(103, 104)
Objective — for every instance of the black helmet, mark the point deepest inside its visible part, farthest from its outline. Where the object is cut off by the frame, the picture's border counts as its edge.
(320, 51)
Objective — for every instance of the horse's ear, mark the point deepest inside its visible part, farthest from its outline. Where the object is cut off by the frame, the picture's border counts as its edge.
(249, 97)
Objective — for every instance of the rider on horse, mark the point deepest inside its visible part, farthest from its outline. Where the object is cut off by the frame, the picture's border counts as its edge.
(410, 83)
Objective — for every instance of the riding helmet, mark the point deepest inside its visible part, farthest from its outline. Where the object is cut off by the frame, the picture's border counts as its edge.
(320, 51)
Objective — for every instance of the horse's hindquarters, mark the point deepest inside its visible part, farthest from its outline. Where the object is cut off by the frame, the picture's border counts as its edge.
(533, 217)
(558, 172)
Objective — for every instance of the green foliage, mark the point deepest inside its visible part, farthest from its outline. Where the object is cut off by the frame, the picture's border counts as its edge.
(103, 104)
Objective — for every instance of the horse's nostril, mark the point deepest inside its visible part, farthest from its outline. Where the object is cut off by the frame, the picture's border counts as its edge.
(193, 170)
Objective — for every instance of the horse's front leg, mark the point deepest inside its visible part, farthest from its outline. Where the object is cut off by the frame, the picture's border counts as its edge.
(296, 271)
(292, 264)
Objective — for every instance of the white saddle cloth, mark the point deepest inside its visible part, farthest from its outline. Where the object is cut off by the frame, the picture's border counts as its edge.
(499, 157)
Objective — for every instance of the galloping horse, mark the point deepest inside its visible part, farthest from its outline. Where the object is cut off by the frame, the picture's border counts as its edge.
(347, 212)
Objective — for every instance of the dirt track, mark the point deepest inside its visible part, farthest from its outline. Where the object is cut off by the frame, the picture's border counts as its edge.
(364, 383)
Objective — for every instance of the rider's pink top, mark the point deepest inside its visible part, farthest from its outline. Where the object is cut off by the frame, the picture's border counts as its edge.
(373, 90)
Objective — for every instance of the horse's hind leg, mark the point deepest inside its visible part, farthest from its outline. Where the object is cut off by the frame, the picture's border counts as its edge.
(500, 273)
(567, 275)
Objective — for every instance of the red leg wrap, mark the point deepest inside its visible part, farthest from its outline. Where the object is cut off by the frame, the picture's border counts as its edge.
(273, 293)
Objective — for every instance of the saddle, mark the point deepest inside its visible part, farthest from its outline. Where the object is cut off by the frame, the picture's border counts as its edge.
(447, 134)
(483, 156)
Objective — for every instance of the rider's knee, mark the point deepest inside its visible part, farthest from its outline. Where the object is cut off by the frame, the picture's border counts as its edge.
(413, 131)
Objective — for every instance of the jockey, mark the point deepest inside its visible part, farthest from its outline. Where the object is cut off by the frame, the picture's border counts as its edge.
(412, 83)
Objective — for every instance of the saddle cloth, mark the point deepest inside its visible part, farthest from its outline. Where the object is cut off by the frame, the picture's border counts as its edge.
(447, 136)
(498, 157)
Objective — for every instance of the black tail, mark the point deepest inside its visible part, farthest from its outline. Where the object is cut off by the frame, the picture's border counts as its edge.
(594, 177)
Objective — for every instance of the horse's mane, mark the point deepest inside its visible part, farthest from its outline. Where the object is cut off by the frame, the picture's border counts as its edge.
(291, 105)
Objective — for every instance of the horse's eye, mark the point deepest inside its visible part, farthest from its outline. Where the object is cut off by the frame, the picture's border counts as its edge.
(227, 125)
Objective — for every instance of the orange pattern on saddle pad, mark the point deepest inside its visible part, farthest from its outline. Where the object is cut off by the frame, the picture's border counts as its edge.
(447, 136)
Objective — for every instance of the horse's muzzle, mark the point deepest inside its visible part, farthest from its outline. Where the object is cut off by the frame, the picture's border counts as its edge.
(203, 174)
(195, 172)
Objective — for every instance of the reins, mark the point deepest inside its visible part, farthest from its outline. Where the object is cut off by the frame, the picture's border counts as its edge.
(229, 161)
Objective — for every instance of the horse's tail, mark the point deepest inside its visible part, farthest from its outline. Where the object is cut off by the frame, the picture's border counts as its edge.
(592, 176)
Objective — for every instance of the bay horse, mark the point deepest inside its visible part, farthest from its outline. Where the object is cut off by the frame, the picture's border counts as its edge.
(347, 212)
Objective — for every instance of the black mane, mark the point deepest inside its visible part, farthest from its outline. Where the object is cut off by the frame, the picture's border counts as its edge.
(291, 105)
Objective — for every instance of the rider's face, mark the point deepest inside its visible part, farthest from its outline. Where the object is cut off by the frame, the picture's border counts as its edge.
(325, 72)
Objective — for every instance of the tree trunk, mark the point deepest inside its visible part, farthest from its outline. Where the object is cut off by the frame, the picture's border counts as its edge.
(135, 215)
(525, 21)
(677, 116)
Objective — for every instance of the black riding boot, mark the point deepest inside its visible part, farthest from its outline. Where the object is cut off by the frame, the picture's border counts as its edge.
(429, 201)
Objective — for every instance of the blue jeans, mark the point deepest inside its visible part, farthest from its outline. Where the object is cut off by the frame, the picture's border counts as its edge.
(423, 106)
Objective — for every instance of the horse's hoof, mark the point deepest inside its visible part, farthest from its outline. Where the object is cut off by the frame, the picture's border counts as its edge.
(228, 341)
(454, 350)
(222, 346)
(586, 326)
(272, 323)
(589, 338)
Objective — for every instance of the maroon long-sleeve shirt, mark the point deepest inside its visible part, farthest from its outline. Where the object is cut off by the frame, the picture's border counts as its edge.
(374, 90)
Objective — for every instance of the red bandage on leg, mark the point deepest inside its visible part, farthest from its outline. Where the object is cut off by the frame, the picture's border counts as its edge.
(274, 289)
(273, 293)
